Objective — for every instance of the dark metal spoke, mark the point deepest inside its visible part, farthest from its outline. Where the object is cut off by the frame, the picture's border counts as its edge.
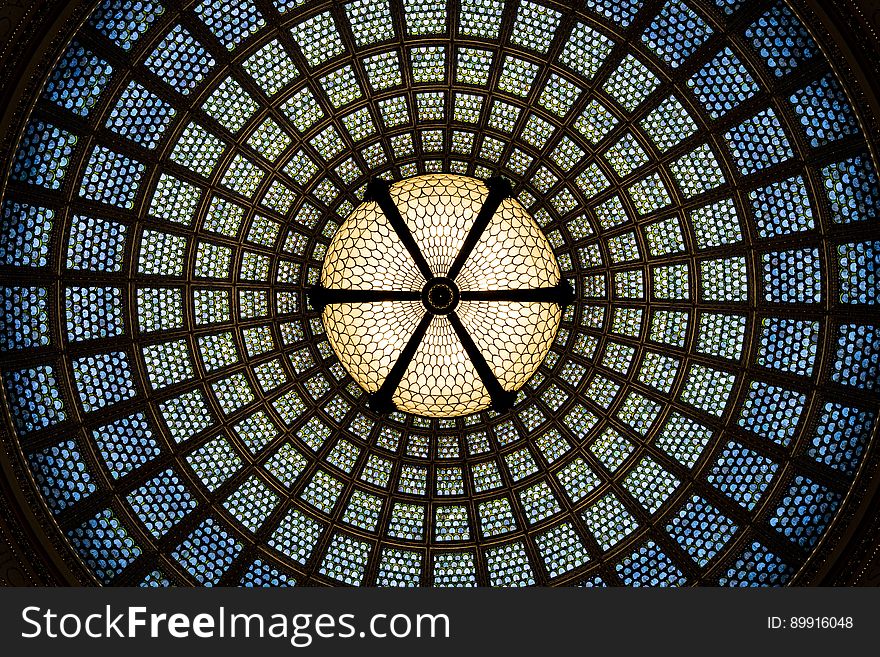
(381, 400)
(378, 190)
(561, 294)
(320, 297)
(499, 189)
(502, 400)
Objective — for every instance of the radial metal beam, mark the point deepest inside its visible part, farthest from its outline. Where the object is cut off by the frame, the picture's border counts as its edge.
(378, 190)
(381, 400)
(320, 296)
(499, 189)
(502, 400)
(561, 294)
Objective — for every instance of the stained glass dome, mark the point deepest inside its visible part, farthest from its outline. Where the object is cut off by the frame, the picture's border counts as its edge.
(185, 188)
(440, 295)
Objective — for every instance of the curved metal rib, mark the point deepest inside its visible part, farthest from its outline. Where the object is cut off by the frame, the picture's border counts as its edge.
(502, 400)
(320, 297)
(378, 190)
(499, 189)
(561, 294)
(381, 400)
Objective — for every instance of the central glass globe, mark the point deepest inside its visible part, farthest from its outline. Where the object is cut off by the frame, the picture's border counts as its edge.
(440, 295)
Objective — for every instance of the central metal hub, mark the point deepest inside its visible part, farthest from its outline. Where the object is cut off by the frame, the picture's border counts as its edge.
(440, 296)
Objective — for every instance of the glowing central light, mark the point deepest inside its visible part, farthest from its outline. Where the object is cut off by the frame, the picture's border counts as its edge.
(440, 295)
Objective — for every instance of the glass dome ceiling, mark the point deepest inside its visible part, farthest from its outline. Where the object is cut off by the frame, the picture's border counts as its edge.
(702, 178)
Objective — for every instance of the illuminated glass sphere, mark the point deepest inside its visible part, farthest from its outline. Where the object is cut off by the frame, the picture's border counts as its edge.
(440, 295)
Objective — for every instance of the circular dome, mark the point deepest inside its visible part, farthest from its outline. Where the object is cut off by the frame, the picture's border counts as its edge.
(177, 412)
(440, 295)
